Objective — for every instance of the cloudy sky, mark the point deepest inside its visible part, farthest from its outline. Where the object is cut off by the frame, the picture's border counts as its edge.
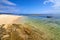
(30, 6)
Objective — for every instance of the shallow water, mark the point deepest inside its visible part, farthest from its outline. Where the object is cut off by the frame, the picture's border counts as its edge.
(50, 26)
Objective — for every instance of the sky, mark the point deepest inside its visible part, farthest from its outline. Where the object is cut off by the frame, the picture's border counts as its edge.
(30, 6)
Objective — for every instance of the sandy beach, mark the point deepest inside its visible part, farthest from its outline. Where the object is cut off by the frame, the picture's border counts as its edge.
(9, 19)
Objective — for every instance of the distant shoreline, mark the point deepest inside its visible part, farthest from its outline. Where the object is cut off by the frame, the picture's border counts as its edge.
(38, 15)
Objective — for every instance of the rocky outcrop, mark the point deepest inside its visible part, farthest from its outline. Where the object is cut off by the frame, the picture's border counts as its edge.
(20, 32)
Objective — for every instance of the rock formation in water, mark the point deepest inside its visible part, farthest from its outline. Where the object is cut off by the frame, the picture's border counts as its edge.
(20, 32)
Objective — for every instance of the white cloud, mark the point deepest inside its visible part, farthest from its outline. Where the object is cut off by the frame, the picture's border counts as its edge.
(56, 3)
(55, 7)
(7, 2)
(1, 11)
(53, 11)
(8, 7)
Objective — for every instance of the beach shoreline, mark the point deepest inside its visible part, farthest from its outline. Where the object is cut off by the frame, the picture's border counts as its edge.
(9, 19)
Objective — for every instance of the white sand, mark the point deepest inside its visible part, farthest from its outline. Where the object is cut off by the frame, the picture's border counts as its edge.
(9, 19)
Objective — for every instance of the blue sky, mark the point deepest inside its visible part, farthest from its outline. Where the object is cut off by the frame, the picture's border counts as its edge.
(30, 6)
